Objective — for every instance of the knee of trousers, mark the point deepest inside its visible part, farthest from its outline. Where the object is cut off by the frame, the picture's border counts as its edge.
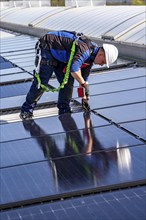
(34, 95)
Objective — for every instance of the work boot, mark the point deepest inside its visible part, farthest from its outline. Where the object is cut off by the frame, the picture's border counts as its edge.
(27, 111)
(64, 110)
(26, 115)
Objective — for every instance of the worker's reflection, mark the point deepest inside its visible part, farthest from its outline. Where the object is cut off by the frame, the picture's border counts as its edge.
(76, 157)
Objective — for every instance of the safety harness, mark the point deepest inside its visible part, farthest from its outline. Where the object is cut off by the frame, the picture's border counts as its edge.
(66, 76)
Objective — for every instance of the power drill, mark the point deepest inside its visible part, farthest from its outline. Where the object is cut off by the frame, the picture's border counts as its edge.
(82, 93)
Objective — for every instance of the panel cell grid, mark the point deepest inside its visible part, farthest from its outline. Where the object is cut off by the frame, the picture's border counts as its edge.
(113, 205)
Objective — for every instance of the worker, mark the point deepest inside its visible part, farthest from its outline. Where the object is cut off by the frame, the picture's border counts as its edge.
(53, 53)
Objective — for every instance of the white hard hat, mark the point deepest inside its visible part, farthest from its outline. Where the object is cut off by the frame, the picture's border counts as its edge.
(111, 53)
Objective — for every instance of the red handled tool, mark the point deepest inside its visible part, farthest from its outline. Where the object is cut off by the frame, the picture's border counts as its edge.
(81, 91)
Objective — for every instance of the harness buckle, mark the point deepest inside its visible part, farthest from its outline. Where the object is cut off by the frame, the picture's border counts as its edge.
(49, 62)
(78, 35)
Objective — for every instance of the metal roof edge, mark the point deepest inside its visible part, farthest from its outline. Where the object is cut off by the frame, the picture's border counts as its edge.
(129, 50)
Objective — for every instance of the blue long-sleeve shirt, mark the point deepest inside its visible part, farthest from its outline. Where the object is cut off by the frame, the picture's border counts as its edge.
(60, 42)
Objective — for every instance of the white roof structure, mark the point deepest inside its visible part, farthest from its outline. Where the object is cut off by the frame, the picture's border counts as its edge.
(119, 24)
(115, 21)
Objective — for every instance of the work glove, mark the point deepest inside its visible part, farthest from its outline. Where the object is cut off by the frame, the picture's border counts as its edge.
(85, 105)
(86, 88)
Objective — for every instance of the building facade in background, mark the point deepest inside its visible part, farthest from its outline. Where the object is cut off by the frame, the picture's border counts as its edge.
(76, 3)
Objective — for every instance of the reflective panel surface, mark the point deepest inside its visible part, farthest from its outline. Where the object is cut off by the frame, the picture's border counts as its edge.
(125, 113)
(137, 127)
(73, 139)
(70, 174)
(49, 158)
(119, 98)
(52, 125)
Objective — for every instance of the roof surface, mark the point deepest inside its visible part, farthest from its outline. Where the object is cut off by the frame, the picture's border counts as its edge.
(79, 165)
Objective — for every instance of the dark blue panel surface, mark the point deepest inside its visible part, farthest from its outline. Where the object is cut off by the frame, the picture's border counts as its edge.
(116, 86)
(50, 156)
(2, 60)
(50, 125)
(15, 89)
(71, 174)
(72, 141)
(111, 76)
(125, 113)
(20, 88)
(116, 99)
(6, 65)
(23, 88)
(137, 127)
(96, 101)
(116, 206)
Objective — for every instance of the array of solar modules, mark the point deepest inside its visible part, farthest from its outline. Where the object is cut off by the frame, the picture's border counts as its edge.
(52, 158)
(97, 155)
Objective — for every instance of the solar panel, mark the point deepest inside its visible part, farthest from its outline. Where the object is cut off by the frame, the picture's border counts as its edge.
(102, 101)
(26, 63)
(113, 75)
(49, 157)
(4, 64)
(1, 59)
(58, 145)
(117, 99)
(50, 125)
(70, 175)
(115, 204)
(125, 113)
(15, 89)
(131, 117)
(13, 78)
(13, 54)
(21, 43)
(116, 86)
(137, 127)
(17, 56)
(17, 101)
(10, 71)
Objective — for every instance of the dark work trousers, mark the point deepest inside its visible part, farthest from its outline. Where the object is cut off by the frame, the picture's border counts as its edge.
(45, 72)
